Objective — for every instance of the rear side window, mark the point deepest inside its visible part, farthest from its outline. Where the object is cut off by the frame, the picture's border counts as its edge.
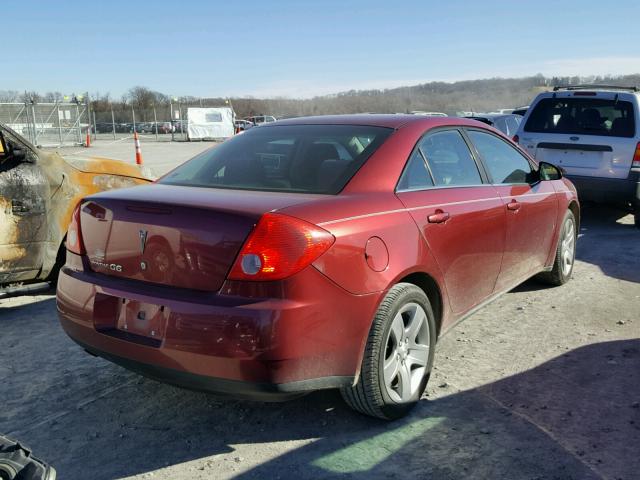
(582, 116)
(501, 124)
(415, 175)
(291, 158)
(504, 162)
(513, 122)
(449, 159)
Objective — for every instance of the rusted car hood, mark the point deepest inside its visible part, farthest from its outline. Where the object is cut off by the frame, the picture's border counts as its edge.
(101, 165)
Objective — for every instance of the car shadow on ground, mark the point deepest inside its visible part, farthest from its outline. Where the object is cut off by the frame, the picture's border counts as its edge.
(601, 226)
(603, 229)
(571, 417)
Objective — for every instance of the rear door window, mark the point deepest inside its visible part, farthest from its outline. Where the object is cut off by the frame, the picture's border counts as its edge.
(582, 116)
(449, 159)
(504, 162)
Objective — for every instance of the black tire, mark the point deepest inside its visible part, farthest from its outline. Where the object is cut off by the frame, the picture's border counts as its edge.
(558, 276)
(61, 258)
(369, 395)
(636, 219)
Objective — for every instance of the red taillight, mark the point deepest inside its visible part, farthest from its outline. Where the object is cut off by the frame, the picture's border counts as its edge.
(74, 233)
(279, 247)
(636, 157)
(516, 138)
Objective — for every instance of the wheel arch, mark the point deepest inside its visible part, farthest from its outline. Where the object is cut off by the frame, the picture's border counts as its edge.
(432, 290)
(425, 282)
(575, 209)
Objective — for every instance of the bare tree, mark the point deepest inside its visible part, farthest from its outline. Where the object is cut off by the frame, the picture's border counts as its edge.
(451, 98)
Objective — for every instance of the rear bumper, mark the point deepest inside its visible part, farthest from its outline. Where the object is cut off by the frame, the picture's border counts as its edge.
(617, 191)
(257, 391)
(263, 347)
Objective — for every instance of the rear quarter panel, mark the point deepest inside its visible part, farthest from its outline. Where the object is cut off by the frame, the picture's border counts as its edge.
(354, 220)
(69, 186)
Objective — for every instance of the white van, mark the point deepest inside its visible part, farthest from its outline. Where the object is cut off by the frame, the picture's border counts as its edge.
(592, 133)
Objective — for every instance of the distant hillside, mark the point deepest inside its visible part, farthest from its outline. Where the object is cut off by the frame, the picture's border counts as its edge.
(469, 95)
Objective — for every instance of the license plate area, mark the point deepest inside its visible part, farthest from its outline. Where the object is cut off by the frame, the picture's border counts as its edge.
(580, 159)
(131, 320)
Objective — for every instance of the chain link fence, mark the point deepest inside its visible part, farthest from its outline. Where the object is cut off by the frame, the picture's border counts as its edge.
(155, 123)
(162, 122)
(47, 124)
(68, 123)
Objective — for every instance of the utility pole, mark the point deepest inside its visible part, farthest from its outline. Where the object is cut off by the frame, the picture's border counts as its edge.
(113, 122)
(155, 120)
(173, 127)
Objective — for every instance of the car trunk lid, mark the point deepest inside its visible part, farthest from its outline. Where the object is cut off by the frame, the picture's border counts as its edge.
(186, 237)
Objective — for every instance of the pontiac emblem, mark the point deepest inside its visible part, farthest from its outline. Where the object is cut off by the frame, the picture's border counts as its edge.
(143, 240)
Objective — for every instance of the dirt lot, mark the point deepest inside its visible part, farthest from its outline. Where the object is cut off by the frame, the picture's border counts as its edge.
(158, 157)
(542, 384)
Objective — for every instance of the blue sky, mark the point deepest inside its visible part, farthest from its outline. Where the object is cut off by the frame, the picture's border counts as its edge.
(299, 48)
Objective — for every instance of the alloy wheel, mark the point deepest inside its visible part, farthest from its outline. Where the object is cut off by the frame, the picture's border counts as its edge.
(406, 353)
(568, 248)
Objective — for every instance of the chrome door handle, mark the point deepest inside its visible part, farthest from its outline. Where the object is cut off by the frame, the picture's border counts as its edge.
(513, 205)
(438, 217)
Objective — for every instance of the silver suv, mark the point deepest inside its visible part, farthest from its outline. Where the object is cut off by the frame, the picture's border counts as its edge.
(591, 131)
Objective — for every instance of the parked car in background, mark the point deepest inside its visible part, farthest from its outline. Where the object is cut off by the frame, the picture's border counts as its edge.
(242, 125)
(145, 127)
(163, 127)
(428, 114)
(314, 253)
(507, 124)
(592, 133)
(260, 119)
(520, 110)
(179, 126)
(103, 127)
(38, 192)
(502, 111)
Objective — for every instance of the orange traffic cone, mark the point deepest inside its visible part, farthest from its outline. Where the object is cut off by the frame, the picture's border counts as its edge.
(136, 141)
(87, 142)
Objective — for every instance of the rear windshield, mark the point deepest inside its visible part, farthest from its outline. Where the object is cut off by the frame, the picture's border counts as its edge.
(584, 116)
(291, 158)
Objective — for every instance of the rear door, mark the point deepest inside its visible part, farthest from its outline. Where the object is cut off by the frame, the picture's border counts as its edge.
(460, 216)
(530, 206)
(588, 134)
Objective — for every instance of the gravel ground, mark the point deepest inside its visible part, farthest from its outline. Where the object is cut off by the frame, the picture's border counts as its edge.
(541, 384)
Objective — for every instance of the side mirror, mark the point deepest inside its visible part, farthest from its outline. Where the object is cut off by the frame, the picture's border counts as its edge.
(549, 171)
(19, 154)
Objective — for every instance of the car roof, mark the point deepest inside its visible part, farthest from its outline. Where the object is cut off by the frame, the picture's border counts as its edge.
(483, 118)
(390, 120)
(586, 94)
(493, 116)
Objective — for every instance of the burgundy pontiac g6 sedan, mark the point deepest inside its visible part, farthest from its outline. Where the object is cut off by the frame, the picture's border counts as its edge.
(313, 253)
